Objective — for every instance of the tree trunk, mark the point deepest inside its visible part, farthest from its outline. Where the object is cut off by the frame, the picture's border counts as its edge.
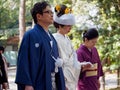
(22, 25)
(32, 19)
(118, 75)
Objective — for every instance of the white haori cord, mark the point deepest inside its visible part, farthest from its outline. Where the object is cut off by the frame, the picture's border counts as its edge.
(58, 63)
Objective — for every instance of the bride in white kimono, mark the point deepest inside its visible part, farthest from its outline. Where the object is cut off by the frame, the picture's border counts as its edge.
(63, 21)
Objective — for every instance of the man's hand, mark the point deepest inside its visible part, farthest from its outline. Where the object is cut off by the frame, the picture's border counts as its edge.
(5, 86)
(29, 88)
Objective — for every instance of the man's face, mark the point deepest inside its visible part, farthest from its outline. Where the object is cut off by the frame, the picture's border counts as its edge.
(47, 17)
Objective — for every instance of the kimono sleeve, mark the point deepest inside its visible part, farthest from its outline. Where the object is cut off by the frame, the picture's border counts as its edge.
(80, 56)
(100, 70)
(23, 67)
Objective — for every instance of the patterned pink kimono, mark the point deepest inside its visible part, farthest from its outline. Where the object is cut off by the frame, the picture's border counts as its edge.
(88, 79)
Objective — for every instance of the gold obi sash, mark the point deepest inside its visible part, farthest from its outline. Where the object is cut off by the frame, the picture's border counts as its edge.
(92, 71)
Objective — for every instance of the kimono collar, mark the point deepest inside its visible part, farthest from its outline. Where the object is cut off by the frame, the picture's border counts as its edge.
(85, 48)
(41, 30)
(61, 35)
(40, 27)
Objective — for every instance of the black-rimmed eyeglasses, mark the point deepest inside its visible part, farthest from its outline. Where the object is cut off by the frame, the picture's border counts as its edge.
(48, 11)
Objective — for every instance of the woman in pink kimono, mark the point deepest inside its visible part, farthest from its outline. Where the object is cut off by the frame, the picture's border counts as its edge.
(87, 52)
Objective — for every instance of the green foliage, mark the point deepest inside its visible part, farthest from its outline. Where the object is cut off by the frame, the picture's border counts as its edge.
(65, 2)
(111, 8)
(8, 14)
(110, 32)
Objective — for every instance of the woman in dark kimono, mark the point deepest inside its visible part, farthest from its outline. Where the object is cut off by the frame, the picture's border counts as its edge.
(89, 76)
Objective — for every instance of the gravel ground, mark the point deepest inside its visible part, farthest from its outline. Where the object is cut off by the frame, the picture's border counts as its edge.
(111, 80)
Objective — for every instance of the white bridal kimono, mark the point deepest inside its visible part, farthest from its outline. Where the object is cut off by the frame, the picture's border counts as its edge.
(71, 66)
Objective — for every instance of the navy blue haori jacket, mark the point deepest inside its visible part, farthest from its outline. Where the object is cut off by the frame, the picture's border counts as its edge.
(35, 64)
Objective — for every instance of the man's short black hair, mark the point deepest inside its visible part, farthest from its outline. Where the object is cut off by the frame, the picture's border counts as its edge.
(38, 8)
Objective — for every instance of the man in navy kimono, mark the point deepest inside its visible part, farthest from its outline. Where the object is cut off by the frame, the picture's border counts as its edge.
(36, 68)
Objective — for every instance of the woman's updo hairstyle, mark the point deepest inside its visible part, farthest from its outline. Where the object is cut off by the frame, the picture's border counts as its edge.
(90, 34)
(61, 10)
